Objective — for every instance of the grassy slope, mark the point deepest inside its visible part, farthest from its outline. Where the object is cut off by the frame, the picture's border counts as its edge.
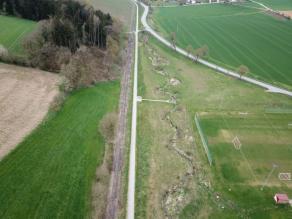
(203, 90)
(235, 35)
(12, 31)
(50, 173)
(278, 4)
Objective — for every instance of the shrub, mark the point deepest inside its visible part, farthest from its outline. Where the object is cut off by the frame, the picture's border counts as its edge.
(107, 127)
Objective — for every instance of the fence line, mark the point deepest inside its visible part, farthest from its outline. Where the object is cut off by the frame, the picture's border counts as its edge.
(203, 139)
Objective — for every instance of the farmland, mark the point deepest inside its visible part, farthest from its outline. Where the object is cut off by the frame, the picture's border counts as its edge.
(26, 94)
(12, 31)
(50, 173)
(235, 35)
(123, 10)
(278, 4)
(174, 177)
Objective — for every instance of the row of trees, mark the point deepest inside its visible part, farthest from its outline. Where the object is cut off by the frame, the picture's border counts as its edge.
(203, 51)
(30, 9)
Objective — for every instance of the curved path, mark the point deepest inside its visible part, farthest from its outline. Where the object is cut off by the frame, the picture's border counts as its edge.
(268, 87)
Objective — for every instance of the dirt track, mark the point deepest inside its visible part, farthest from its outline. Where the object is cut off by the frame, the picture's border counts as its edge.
(115, 187)
(25, 97)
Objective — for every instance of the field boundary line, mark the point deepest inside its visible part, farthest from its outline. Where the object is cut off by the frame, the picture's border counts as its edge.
(267, 86)
(203, 139)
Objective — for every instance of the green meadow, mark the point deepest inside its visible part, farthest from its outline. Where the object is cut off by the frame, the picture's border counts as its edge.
(278, 4)
(50, 174)
(12, 31)
(235, 35)
(240, 183)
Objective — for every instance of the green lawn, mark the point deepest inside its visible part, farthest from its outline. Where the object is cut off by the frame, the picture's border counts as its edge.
(12, 31)
(50, 173)
(235, 35)
(265, 140)
(278, 4)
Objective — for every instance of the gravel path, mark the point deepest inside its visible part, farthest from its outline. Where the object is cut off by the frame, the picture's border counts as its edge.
(132, 163)
(114, 193)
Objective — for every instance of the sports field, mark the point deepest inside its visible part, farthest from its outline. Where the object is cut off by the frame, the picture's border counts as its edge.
(235, 35)
(12, 31)
(252, 154)
(50, 174)
(277, 4)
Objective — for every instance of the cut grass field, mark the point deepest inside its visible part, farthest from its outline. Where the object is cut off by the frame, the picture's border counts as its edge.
(225, 104)
(235, 36)
(12, 32)
(51, 172)
(120, 9)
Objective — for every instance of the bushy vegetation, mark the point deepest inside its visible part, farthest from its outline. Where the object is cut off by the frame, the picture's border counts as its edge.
(75, 39)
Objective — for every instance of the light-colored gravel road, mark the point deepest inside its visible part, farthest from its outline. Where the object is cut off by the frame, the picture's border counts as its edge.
(268, 87)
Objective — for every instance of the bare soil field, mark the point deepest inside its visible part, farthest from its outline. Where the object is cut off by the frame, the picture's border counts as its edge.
(25, 97)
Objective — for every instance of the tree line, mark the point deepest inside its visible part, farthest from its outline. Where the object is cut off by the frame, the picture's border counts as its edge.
(71, 38)
(72, 24)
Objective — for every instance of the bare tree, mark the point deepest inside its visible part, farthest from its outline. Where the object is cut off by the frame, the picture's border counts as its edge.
(205, 50)
(173, 39)
(242, 70)
(201, 52)
(189, 49)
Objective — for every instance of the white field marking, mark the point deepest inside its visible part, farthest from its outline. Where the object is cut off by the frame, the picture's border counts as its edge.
(268, 87)
(236, 142)
(132, 161)
(161, 101)
(268, 177)
(241, 152)
(284, 176)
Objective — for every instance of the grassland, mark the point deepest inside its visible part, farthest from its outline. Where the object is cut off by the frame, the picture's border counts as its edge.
(123, 10)
(278, 4)
(50, 173)
(12, 31)
(227, 107)
(235, 35)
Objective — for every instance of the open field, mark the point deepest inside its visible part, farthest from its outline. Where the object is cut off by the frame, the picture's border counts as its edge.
(277, 4)
(174, 177)
(121, 9)
(253, 162)
(25, 97)
(12, 31)
(235, 35)
(50, 173)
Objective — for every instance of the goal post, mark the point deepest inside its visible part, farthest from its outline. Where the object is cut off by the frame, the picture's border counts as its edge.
(203, 139)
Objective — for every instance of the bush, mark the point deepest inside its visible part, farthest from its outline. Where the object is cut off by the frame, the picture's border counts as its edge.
(3, 51)
(86, 67)
(107, 127)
